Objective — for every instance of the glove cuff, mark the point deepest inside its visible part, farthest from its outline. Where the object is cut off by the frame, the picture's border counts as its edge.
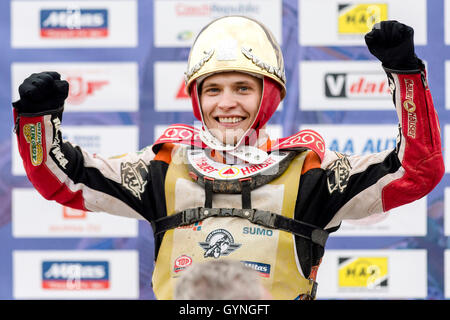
(18, 106)
(420, 68)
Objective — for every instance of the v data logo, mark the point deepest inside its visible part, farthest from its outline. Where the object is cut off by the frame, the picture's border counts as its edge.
(356, 86)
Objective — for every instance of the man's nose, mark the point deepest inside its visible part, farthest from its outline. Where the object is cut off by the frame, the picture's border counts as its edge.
(227, 100)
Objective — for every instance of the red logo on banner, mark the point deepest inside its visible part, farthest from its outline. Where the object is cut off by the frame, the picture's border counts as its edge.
(80, 89)
(181, 94)
(70, 213)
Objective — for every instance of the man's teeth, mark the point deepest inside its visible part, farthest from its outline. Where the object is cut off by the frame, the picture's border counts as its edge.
(231, 120)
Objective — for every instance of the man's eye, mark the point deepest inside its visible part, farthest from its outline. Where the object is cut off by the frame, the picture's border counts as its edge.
(211, 90)
(244, 89)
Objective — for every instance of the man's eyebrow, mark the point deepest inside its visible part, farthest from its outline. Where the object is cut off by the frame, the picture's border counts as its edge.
(239, 82)
(243, 82)
(210, 84)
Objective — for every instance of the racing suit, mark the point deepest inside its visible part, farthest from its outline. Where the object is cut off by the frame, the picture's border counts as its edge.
(319, 192)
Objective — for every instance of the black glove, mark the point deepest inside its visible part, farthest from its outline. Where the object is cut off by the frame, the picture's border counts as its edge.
(42, 92)
(392, 43)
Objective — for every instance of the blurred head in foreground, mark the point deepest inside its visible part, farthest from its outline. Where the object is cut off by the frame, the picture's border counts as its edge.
(220, 280)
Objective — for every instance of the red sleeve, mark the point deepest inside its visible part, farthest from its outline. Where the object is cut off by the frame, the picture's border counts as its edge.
(34, 137)
(420, 151)
(72, 177)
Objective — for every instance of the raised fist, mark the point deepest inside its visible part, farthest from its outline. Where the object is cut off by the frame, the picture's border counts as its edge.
(392, 43)
(42, 92)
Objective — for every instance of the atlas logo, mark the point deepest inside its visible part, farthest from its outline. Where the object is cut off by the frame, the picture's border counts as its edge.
(262, 268)
(356, 86)
(74, 23)
(75, 275)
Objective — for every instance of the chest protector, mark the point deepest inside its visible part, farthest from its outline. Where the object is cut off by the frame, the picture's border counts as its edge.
(222, 230)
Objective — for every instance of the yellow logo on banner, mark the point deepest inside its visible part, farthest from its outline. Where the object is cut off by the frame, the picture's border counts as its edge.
(363, 272)
(360, 18)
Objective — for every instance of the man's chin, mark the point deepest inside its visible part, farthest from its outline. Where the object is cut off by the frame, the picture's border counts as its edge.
(230, 137)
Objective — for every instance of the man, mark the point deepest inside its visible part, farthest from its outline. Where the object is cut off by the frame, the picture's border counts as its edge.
(220, 280)
(225, 190)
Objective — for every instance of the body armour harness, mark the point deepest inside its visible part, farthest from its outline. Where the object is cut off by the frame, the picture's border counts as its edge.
(221, 178)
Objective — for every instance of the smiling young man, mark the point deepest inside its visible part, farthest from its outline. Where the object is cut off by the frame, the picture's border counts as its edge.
(230, 102)
(224, 190)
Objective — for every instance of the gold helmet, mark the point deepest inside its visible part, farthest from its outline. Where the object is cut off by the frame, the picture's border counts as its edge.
(235, 43)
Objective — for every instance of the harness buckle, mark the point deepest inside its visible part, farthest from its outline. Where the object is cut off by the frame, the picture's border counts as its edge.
(264, 218)
(190, 216)
(319, 236)
(312, 293)
(209, 212)
(226, 212)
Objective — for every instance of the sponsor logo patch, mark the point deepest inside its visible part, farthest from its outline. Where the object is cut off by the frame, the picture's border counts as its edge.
(262, 268)
(33, 135)
(339, 174)
(56, 148)
(194, 227)
(257, 231)
(229, 172)
(181, 263)
(134, 177)
(410, 107)
(218, 243)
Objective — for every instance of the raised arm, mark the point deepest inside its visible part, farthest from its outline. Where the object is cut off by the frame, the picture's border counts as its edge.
(363, 185)
(64, 172)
